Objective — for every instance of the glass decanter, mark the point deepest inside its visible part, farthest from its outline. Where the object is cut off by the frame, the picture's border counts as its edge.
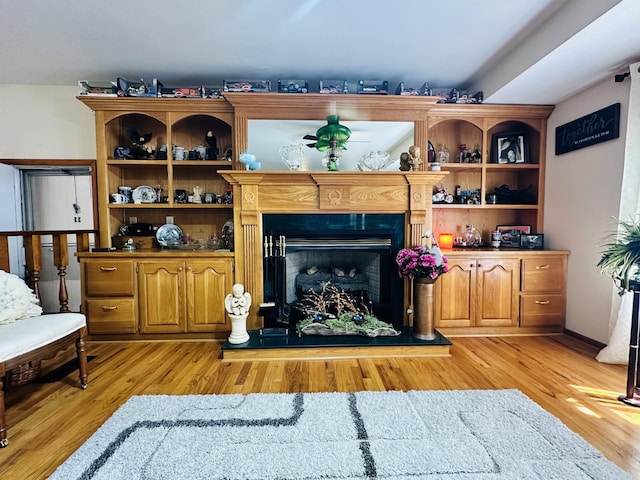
(443, 154)
(471, 236)
(292, 155)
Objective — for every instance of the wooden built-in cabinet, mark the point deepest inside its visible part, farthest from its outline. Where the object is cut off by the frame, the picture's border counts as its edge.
(508, 291)
(156, 293)
(183, 296)
(486, 292)
(543, 290)
(478, 292)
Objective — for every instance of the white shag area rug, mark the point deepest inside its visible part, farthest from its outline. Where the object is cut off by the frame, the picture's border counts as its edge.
(435, 435)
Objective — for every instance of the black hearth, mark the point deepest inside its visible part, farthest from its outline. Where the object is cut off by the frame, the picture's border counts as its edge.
(353, 251)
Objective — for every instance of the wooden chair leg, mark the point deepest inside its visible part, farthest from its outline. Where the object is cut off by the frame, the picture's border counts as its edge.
(81, 353)
(3, 420)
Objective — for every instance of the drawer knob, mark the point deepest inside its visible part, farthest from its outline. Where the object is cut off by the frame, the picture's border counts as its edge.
(108, 269)
(542, 302)
(542, 267)
(109, 309)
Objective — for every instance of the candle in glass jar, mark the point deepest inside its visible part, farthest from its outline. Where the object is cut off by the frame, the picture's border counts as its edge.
(446, 241)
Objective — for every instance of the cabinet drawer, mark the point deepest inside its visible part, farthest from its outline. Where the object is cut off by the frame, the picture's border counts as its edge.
(543, 275)
(109, 278)
(111, 315)
(540, 310)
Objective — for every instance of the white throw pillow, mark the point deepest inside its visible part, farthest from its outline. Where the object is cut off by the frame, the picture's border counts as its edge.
(17, 300)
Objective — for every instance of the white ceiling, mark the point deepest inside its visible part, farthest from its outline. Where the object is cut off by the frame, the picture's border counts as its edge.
(515, 51)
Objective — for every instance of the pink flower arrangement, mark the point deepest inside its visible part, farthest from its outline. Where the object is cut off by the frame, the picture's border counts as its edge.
(419, 262)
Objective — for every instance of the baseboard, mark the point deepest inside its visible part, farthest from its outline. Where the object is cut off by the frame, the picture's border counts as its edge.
(583, 339)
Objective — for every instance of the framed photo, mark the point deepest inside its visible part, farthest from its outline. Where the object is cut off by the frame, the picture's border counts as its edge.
(510, 234)
(532, 241)
(510, 147)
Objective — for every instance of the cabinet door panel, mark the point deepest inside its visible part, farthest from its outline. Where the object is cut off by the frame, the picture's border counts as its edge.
(161, 297)
(208, 283)
(497, 293)
(455, 294)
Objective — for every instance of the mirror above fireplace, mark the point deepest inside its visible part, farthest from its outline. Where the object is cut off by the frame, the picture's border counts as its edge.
(265, 122)
(266, 137)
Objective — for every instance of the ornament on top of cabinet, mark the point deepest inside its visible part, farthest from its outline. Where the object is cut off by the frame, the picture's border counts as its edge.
(414, 157)
(405, 166)
(249, 159)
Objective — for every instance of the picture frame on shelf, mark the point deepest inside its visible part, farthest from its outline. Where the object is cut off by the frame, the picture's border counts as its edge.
(510, 147)
(532, 241)
(510, 234)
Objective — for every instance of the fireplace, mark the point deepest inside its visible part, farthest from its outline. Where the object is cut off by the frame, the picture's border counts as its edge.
(355, 252)
(353, 197)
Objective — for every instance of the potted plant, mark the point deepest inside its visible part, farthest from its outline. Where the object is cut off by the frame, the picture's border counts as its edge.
(621, 256)
(621, 261)
(423, 264)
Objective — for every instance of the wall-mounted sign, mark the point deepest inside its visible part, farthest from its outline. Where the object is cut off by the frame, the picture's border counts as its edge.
(594, 128)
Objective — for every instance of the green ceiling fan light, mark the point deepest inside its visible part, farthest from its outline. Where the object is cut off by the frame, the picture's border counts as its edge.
(333, 137)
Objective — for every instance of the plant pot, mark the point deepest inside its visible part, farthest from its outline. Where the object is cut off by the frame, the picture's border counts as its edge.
(423, 308)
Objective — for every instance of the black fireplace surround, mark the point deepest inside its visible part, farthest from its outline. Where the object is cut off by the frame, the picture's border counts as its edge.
(334, 243)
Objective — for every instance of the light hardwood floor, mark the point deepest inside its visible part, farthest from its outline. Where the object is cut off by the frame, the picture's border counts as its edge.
(47, 422)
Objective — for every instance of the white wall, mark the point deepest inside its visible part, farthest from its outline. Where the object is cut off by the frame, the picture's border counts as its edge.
(45, 122)
(582, 198)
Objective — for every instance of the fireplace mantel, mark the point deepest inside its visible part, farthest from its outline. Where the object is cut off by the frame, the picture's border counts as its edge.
(258, 192)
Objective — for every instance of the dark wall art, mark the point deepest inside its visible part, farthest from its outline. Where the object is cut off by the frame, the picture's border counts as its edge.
(589, 130)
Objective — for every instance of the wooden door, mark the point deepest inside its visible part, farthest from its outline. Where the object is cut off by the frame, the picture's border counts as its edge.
(162, 300)
(497, 293)
(456, 294)
(208, 283)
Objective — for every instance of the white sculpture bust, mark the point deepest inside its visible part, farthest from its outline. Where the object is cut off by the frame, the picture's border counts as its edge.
(238, 302)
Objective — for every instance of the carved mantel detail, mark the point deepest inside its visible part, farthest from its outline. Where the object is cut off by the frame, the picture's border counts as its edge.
(258, 192)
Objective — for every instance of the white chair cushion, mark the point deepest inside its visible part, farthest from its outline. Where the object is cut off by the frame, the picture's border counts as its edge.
(17, 300)
(35, 332)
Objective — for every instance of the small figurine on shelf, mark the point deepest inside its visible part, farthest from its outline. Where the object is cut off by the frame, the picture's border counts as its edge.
(465, 154)
(197, 194)
(414, 157)
(475, 156)
(249, 159)
(405, 166)
(212, 151)
(139, 151)
(441, 195)
(443, 153)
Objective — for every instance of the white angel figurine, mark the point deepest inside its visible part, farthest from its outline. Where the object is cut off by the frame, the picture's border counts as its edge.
(238, 302)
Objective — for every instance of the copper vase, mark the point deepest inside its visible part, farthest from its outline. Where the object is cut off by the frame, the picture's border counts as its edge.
(423, 308)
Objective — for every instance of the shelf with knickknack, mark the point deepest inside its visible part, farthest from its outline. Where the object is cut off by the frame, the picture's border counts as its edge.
(167, 153)
(496, 158)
